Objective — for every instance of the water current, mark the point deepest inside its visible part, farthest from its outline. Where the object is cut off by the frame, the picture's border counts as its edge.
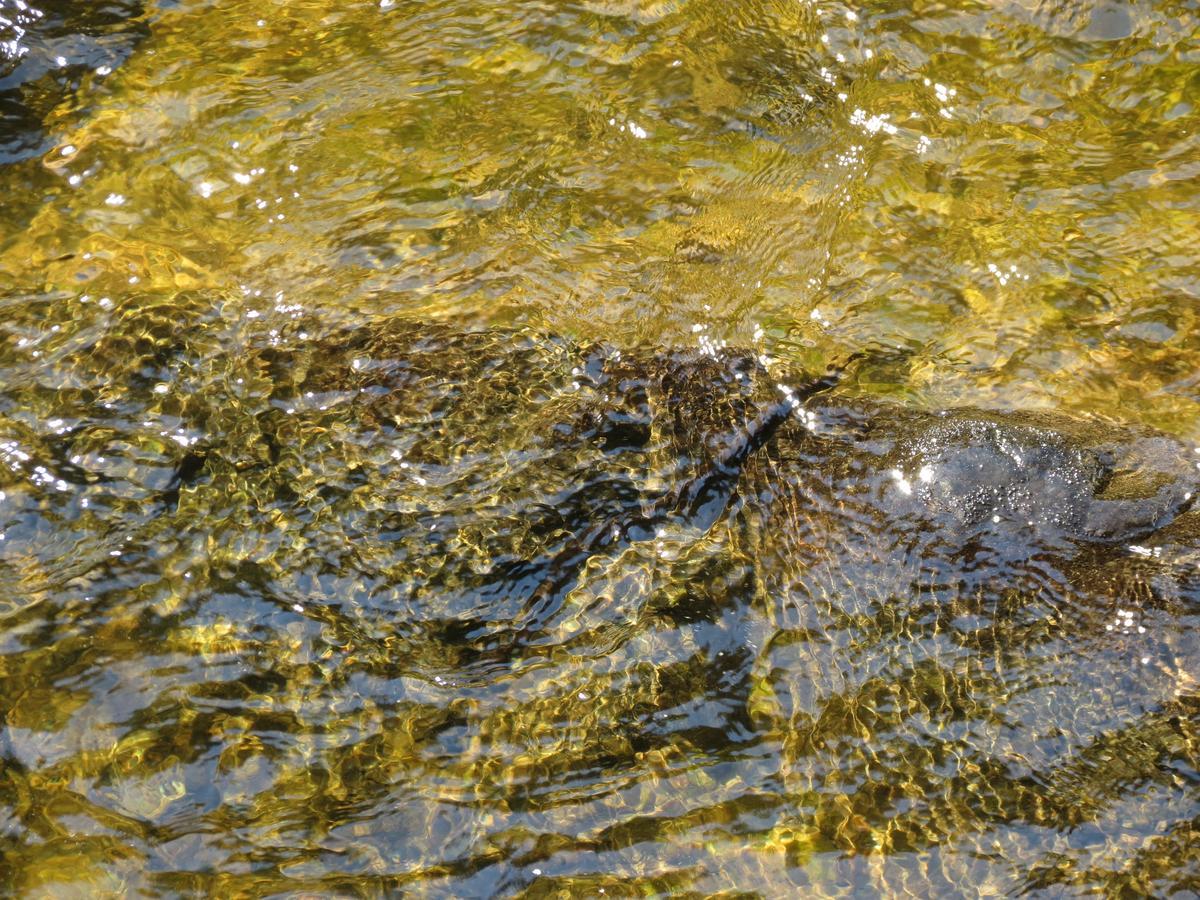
(357, 360)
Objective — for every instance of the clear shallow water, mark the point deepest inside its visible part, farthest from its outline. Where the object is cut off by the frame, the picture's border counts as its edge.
(1001, 195)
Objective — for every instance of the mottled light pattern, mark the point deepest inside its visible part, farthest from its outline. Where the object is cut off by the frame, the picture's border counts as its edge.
(289, 596)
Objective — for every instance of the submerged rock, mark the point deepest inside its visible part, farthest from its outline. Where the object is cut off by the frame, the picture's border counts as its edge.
(523, 474)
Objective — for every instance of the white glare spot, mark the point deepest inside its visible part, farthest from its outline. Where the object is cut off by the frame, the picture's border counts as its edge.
(204, 189)
(68, 150)
(638, 131)
(114, 200)
(902, 483)
(926, 473)
(241, 178)
(943, 93)
(104, 70)
(872, 124)
(297, 607)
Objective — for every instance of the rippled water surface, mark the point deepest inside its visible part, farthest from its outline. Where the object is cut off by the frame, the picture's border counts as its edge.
(372, 518)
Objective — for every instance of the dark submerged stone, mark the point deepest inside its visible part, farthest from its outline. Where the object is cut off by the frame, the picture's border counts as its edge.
(624, 447)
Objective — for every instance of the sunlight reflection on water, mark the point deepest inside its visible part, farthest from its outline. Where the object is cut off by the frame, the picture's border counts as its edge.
(339, 412)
